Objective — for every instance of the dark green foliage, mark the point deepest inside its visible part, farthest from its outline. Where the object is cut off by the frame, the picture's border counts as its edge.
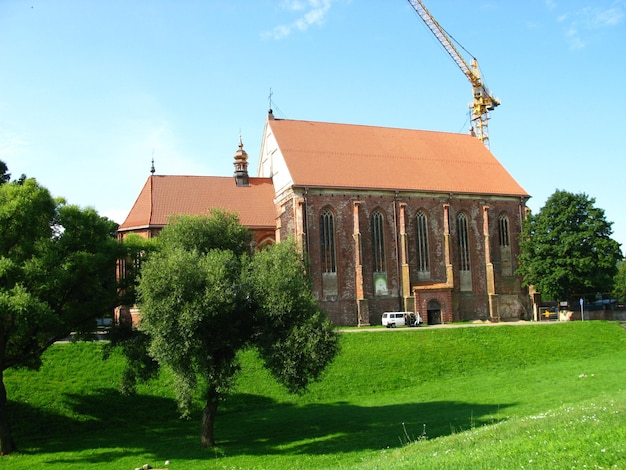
(139, 366)
(204, 297)
(57, 270)
(78, 275)
(295, 340)
(567, 249)
(57, 275)
(195, 312)
(619, 286)
(221, 230)
(27, 216)
(5, 176)
(134, 250)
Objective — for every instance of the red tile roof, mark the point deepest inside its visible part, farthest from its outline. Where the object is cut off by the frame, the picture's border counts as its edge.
(163, 196)
(354, 156)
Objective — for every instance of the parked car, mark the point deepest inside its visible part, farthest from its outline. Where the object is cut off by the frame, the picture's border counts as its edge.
(393, 319)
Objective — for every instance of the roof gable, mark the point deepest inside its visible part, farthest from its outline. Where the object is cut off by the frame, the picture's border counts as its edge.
(164, 196)
(321, 154)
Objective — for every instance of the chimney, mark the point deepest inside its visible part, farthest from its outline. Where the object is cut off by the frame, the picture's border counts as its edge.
(241, 166)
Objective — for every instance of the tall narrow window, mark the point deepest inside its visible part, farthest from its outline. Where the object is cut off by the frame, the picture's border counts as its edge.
(378, 241)
(423, 259)
(504, 236)
(463, 239)
(503, 228)
(327, 235)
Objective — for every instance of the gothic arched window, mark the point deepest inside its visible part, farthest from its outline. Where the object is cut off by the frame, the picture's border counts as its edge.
(504, 238)
(463, 241)
(503, 229)
(423, 258)
(378, 241)
(327, 238)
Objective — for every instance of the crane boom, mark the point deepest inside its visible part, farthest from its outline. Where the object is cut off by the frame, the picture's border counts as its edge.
(483, 101)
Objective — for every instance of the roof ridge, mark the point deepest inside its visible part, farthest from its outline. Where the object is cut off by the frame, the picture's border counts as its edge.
(408, 129)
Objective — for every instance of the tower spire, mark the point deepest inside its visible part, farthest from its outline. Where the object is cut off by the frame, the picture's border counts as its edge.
(241, 166)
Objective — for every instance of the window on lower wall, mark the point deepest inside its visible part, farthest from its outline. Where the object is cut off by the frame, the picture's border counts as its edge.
(378, 253)
(506, 260)
(329, 255)
(463, 242)
(503, 230)
(423, 257)
(378, 241)
(465, 273)
(327, 237)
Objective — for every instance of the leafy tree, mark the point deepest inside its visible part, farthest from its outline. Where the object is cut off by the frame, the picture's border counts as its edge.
(294, 338)
(5, 176)
(221, 230)
(619, 286)
(133, 250)
(566, 248)
(57, 275)
(204, 297)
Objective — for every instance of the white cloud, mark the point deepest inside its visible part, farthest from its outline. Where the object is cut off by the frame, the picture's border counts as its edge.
(578, 24)
(294, 5)
(607, 17)
(573, 38)
(312, 12)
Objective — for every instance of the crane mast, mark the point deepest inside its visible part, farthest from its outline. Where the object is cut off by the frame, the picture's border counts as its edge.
(483, 100)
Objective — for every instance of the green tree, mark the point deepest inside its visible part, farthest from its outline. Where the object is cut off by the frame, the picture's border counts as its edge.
(619, 286)
(566, 248)
(5, 176)
(204, 296)
(294, 337)
(57, 275)
(133, 250)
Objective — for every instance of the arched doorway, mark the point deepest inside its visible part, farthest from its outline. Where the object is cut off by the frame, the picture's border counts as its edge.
(433, 312)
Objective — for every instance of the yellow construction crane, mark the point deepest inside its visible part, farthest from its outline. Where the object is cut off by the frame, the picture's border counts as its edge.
(483, 101)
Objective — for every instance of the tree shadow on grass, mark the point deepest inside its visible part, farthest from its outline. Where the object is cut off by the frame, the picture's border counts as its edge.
(103, 419)
(108, 426)
(316, 429)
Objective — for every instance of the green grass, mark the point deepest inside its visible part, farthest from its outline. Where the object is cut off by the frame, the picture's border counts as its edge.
(533, 396)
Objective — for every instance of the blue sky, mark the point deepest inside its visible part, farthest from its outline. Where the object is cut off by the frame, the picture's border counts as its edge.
(90, 91)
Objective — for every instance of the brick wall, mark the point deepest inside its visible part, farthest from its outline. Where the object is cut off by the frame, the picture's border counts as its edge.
(300, 216)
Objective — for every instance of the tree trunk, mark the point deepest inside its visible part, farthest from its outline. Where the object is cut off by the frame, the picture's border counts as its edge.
(207, 434)
(6, 441)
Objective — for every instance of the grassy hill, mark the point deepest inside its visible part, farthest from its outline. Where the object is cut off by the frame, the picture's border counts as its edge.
(532, 396)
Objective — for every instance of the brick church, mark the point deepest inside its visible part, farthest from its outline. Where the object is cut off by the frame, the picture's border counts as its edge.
(391, 219)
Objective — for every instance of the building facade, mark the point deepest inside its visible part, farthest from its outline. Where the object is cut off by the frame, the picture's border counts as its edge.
(390, 219)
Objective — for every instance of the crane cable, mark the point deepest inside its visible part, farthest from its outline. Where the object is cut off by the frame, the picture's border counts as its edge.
(484, 83)
(444, 30)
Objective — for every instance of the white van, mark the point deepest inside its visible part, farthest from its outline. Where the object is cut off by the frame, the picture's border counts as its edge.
(393, 319)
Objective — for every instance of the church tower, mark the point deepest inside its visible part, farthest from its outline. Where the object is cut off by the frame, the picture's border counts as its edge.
(241, 166)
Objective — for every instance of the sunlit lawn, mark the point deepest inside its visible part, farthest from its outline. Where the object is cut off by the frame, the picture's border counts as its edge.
(538, 396)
